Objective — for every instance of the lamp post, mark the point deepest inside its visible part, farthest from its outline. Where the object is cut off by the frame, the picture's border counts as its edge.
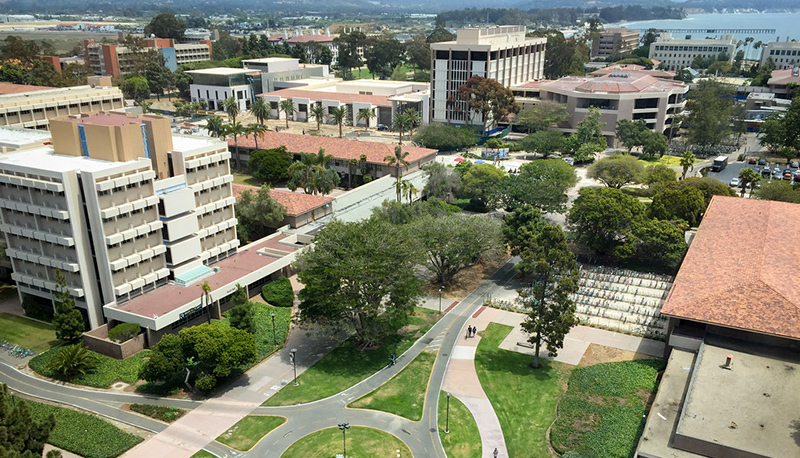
(293, 357)
(344, 427)
(274, 339)
(440, 298)
(447, 421)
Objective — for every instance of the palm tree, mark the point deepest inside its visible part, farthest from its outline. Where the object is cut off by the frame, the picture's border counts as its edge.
(365, 114)
(415, 119)
(235, 130)
(256, 130)
(398, 160)
(401, 123)
(317, 112)
(352, 164)
(232, 108)
(73, 360)
(260, 109)
(204, 297)
(686, 161)
(311, 166)
(339, 114)
(286, 106)
(748, 176)
(409, 190)
(214, 125)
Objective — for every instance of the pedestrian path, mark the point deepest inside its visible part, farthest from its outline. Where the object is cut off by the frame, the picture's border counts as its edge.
(461, 380)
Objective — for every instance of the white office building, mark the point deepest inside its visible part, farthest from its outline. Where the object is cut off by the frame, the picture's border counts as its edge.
(785, 54)
(678, 53)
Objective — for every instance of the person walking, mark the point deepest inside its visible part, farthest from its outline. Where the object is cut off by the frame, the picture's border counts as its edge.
(469, 330)
(495, 453)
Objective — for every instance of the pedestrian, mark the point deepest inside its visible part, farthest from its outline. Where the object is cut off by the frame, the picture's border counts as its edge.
(495, 452)
(469, 331)
(474, 331)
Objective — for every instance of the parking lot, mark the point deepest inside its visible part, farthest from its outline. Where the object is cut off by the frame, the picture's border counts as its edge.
(733, 169)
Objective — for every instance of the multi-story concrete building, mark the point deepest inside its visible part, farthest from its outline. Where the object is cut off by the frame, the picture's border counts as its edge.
(615, 41)
(308, 41)
(501, 53)
(113, 60)
(784, 54)
(678, 53)
(120, 206)
(33, 106)
(630, 95)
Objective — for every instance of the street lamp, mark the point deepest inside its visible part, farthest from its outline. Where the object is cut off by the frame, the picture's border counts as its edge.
(293, 357)
(440, 298)
(344, 427)
(447, 421)
(274, 340)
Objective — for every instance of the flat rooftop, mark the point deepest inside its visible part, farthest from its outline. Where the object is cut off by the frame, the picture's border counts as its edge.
(224, 71)
(44, 159)
(751, 407)
(170, 297)
(185, 143)
(616, 83)
(10, 136)
(11, 88)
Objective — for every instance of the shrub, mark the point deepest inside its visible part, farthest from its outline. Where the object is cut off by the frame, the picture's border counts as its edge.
(163, 413)
(205, 382)
(108, 370)
(72, 361)
(278, 293)
(124, 331)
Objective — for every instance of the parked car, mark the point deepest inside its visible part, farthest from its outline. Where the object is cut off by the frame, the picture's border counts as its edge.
(766, 172)
(383, 127)
(762, 161)
(752, 160)
(797, 177)
(787, 174)
(794, 165)
(735, 182)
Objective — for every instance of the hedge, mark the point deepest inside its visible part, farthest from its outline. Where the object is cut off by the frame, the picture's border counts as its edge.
(278, 293)
(164, 413)
(124, 331)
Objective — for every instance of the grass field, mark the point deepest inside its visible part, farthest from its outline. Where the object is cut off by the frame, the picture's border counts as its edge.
(361, 443)
(603, 408)
(243, 178)
(86, 435)
(524, 399)
(464, 439)
(108, 370)
(245, 434)
(669, 161)
(204, 454)
(23, 331)
(345, 365)
(404, 394)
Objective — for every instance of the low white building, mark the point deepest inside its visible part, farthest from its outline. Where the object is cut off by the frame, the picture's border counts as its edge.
(784, 54)
(214, 85)
(678, 53)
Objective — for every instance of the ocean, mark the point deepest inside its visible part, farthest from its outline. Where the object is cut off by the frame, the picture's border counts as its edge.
(785, 25)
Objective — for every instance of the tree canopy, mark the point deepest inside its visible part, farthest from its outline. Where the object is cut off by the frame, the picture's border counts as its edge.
(257, 214)
(20, 435)
(67, 320)
(487, 96)
(602, 218)
(542, 115)
(588, 138)
(165, 25)
(270, 165)
(443, 182)
(711, 107)
(445, 138)
(616, 171)
(542, 184)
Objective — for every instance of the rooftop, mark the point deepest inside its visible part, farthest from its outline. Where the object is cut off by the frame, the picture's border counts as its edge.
(18, 137)
(170, 297)
(295, 203)
(616, 83)
(11, 98)
(310, 38)
(339, 148)
(377, 100)
(628, 68)
(783, 77)
(224, 71)
(105, 119)
(11, 88)
(44, 159)
(750, 286)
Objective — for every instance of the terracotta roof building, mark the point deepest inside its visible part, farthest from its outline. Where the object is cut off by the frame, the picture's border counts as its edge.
(750, 286)
(342, 150)
(780, 81)
(301, 208)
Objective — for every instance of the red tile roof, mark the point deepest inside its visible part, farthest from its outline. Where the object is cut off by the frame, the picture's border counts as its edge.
(11, 88)
(626, 68)
(741, 268)
(310, 38)
(782, 78)
(377, 100)
(339, 148)
(635, 82)
(296, 203)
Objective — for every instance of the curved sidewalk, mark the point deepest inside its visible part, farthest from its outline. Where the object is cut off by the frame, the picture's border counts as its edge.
(461, 380)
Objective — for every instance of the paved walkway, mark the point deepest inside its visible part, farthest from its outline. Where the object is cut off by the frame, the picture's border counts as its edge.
(462, 382)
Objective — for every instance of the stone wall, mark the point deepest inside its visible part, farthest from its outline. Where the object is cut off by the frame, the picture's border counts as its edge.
(97, 340)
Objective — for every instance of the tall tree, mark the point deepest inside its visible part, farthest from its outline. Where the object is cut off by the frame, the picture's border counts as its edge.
(748, 177)
(20, 434)
(312, 174)
(710, 105)
(384, 54)
(365, 114)
(542, 115)
(318, 113)
(236, 130)
(542, 184)
(242, 315)
(485, 96)
(398, 160)
(287, 107)
(687, 160)
(359, 277)
(544, 142)
(588, 138)
(348, 45)
(165, 25)
(256, 130)
(616, 171)
(215, 126)
(631, 133)
(67, 320)
(654, 144)
(270, 165)
(443, 182)
(652, 242)
(339, 115)
(231, 106)
(401, 123)
(260, 109)
(135, 87)
(550, 311)
(673, 203)
(257, 214)
(521, 228)
(602, 218)
(159, 77)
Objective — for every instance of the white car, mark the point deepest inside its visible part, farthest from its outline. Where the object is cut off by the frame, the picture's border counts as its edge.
(735, 182)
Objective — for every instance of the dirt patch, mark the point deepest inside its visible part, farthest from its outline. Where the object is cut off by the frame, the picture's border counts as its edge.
(596, 354)
(468, 279)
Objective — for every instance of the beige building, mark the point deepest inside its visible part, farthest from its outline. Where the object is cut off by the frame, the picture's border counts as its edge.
(33, 106)
(120, 206)
(629, 95)
(678, 53)
(784, 54)
(615, 41)
(109, 59)
(502, 53)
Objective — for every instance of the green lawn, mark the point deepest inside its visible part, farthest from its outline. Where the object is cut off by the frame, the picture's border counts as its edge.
(86, 435)
(669, 161)
(108, 370)
(361, 443)
(244, 178)
(263, 334)
(524, 399)
(23, 331)
(403, 394)
(166, 414)
(603, 408)
(345, 365)
(464, 439)
(204, 454)
(245, 434)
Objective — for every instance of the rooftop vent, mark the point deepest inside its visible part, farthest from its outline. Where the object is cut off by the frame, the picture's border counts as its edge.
(619, 75)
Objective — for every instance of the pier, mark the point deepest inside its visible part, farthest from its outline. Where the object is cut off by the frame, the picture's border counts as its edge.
(720, 31)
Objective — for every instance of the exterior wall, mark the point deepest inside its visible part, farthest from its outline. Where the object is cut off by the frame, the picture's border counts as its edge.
(620, 40)
(785, 54)
(114, 60)
(34, 110)
(677, 54)
(214, 96)
(97, 340)
(501, 53)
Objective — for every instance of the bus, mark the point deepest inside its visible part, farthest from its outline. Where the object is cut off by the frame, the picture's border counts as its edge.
(719, 163)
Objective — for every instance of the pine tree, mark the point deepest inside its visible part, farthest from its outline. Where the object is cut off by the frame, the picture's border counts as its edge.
(242, 315)
(20, 436)
(67, 320)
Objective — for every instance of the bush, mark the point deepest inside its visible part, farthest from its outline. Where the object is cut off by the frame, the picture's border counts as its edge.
(278, 293)
(124, 331)
(72, 361)
(108, 370)
(163, 413)
(205, 382)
